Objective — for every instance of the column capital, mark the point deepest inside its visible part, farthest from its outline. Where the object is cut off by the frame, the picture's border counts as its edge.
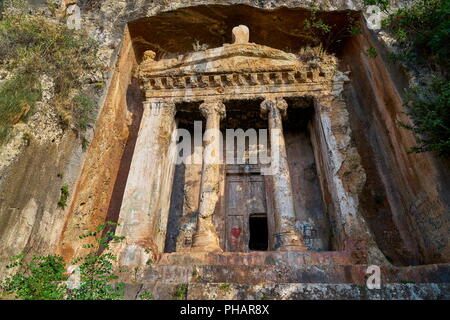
(211, 107)
(269, 103)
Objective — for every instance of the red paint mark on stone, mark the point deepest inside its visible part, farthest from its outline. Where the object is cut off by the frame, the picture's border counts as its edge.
(235, 232)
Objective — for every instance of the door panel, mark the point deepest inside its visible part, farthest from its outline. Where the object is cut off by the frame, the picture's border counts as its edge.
(257, 200)
(236, 194)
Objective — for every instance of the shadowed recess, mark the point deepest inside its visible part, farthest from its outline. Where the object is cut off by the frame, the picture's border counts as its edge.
(175, 32)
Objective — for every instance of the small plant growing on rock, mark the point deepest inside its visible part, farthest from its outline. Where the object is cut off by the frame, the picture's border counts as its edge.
(224, 287)
(314, 24)
(84, 111)
(27, 138)
(372, 52)
(406, 282)
(146, 295)
(180, 292)
(18, 95)
(84, 143)
(308, 53)
(355, 30)
(62, 203)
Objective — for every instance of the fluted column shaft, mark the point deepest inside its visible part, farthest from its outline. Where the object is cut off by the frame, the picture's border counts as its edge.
(287, 236)
(205, 237)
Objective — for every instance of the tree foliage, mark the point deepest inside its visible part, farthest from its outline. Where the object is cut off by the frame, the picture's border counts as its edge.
(422, 31)
(430, 109)
(97, 270)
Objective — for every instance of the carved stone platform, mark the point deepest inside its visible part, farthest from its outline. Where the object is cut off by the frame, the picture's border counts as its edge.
(310, 281)
(261, 258)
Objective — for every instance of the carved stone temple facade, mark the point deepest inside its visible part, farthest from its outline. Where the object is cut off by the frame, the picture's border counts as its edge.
(263, 161)
(209, 206)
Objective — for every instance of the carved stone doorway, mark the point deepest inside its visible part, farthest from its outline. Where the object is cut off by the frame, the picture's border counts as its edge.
(246, 199)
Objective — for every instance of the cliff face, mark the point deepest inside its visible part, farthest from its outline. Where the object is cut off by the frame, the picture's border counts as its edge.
(405, 198)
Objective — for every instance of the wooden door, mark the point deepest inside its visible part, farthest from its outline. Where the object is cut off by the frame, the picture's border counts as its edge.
(245, 196)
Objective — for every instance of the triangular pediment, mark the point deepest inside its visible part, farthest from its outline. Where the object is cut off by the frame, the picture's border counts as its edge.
(238, 70)
(230, 58)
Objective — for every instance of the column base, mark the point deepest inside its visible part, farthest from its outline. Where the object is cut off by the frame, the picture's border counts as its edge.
(133, 255)
(297, 248)
(205, 242)
(289, 241)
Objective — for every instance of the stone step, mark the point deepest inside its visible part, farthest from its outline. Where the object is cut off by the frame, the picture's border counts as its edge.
(288, 291)
(316, 291)
(244, 274)
(253, 274)
(263, 258)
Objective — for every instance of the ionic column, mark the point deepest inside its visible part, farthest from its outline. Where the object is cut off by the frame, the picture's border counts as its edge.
(287, 236)
(205, 237)
(142, 196)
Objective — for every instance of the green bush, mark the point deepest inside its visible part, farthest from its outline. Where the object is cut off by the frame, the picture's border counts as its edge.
(318, 32)
(314, 24)
(372, 52)
(41, 279)
(96, 269)
(224, 287)
(44, 277)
